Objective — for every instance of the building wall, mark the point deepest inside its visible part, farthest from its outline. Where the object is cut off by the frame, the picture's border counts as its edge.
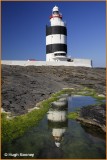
(76, 62)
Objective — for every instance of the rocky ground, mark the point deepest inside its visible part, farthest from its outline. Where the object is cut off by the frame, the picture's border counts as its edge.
(23, 87)
(94, 115)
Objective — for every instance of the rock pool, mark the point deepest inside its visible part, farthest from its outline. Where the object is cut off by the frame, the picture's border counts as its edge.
(58, 137)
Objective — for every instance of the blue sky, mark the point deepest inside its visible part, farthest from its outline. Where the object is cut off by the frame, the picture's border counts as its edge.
(23, 30)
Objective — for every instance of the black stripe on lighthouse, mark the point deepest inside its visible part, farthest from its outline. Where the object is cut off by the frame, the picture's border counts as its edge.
(56, 47)
(56, 30)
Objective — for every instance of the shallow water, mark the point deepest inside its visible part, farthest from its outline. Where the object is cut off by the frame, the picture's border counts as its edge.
(58, 137)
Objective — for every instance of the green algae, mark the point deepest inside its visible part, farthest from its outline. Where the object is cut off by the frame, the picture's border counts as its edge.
(73, 115)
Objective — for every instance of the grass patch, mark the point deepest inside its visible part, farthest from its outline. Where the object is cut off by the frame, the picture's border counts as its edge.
(73, 115)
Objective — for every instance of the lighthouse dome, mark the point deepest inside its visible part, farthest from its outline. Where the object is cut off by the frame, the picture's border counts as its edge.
(55, 9)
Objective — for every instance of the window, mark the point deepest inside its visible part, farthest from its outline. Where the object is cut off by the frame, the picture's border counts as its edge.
(55, 12)
(60, 54)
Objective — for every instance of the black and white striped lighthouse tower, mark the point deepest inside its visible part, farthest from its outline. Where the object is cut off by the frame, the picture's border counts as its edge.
(56, 38)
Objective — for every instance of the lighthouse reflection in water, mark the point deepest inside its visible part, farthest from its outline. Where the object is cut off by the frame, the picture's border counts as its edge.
(57, 119)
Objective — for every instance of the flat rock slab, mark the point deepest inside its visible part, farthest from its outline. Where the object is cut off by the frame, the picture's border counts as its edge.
(94, 115)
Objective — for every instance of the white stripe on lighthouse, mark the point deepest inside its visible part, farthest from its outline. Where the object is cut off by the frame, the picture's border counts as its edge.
(57, 22)
(56, 38)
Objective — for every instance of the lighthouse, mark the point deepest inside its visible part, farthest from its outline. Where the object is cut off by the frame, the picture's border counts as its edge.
(57, 119)
(56, 37)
